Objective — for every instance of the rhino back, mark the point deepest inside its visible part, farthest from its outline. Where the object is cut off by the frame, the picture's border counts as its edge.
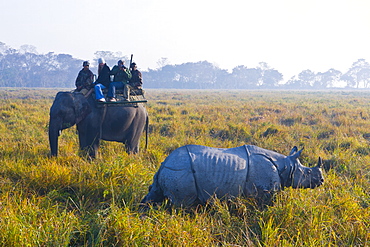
(218, 171)
(268, 153)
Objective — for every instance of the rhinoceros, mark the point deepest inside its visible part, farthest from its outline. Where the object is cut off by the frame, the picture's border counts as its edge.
(192, 174)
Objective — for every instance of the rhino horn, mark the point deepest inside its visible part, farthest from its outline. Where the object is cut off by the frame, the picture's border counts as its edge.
(319, 163)
(297, 154)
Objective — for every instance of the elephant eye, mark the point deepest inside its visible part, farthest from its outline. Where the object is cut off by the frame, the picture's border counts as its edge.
(309, 171)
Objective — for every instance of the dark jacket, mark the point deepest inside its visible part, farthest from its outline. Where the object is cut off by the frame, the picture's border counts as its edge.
(120, 75)
(84, 79)
(104, 76)
(136, 79)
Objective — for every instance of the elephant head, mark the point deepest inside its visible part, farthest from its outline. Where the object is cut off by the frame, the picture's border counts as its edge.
(67, 110)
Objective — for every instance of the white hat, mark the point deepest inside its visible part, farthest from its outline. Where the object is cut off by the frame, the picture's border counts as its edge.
(101, 60)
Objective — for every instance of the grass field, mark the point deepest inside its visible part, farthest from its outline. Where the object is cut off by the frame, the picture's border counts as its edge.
(71, 201)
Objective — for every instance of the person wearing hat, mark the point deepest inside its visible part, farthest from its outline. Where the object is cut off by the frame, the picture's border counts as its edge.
(121, 78)
(103, 80)
(118, 71)
(136, 80)
(85, 78)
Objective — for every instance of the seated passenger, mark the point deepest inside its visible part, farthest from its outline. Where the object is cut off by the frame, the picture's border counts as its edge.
(121, 78)
(85, 78)
(116, 69)
(103, 80)
(136, 80)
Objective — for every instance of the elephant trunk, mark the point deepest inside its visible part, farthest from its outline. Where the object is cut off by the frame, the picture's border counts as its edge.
(54, 131)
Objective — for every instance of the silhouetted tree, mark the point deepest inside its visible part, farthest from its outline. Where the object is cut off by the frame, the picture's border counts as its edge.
(304, 80)
(243, 77)
(3, 47)
(28, 49)
(27, 69)
(187, 76)
(327, 79)
(271, 78)
(111, 58)
(163, 62)
(358, 75)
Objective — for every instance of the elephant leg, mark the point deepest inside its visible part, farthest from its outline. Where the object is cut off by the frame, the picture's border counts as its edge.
(89, 141)
(132, 143)
(131, 148)
(92, 149)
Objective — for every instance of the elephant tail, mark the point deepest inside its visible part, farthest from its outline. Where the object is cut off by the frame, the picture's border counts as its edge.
(146, 132)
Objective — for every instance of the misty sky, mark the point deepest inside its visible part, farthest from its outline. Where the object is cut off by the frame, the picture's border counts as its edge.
(289, 35)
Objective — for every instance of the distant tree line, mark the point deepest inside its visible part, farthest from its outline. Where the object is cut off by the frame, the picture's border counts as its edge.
(358, 76)
(26, 68)
(204, 75)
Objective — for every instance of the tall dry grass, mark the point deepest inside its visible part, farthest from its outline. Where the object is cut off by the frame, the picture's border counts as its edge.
(71, 201)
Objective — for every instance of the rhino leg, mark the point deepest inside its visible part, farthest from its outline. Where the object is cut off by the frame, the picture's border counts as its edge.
(179, 187)
(263, 178)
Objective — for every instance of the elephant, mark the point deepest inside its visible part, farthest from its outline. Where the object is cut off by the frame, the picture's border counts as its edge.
(120, 122)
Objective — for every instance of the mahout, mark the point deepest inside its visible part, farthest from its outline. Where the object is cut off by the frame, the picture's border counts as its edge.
(193, 174)
(123, 123)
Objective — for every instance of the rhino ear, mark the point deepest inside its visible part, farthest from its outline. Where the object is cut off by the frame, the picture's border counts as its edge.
(293, 151)
(297, 154)
(319, 163)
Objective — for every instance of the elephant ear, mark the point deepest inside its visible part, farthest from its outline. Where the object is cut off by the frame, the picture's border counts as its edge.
(82, 108)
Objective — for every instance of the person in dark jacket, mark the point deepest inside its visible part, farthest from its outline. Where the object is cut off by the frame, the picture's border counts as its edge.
(136, 80)
(121, 78)
(118, 70)
(85, 78)
(103, 80)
